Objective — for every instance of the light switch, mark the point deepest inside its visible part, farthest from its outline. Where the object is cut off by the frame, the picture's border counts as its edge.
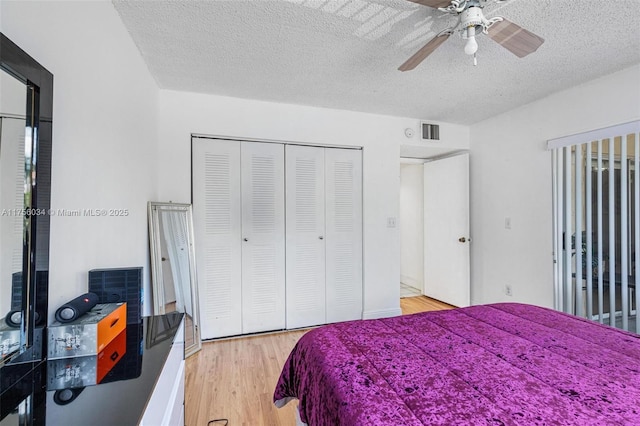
(507, 223)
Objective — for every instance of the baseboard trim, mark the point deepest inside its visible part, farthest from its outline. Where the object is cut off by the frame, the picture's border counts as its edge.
(382, 313)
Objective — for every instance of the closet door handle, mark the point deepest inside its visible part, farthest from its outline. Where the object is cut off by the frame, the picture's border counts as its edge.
(321, 237)
(246, 239)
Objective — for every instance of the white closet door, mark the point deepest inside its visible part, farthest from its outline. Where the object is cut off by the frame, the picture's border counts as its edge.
(305, 266)
(217, 221)
(263, 256)
(343, 177)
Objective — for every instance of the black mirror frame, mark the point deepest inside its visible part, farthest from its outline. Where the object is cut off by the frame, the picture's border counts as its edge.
(39, 118)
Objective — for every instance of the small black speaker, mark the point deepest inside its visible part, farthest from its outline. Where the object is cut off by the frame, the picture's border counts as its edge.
(14, 318)
(66, 396)
(77, 307)
(42, 283)
(16, 290)
(119, 285)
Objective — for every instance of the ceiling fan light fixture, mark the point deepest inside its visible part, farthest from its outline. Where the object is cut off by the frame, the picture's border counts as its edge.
(472, 22)
(472, 45)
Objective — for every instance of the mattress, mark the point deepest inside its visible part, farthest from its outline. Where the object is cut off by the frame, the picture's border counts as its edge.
(499, 364)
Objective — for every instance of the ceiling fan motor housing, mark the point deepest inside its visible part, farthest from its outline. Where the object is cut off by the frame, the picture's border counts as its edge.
(472, 17)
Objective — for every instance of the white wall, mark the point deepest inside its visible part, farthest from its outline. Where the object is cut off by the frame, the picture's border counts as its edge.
(412, 224)
(104, 135)
(13, 95)
(511, 177)
(181, 114)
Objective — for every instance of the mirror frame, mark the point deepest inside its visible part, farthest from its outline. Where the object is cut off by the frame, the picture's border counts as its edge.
(39, 121)
(157, 285)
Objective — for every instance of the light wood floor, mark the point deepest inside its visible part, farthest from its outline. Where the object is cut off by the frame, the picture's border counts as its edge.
(235, 378)
(413, 305)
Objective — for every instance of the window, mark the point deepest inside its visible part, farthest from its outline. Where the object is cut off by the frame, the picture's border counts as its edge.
(596, 222)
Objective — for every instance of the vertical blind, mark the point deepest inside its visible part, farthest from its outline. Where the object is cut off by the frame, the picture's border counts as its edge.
(596, 224)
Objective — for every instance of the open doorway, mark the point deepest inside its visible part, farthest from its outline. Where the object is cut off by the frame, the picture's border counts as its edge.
(411, 228)
(434, 228)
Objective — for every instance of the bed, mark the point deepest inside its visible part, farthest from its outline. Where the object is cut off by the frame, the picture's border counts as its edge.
(499, 364)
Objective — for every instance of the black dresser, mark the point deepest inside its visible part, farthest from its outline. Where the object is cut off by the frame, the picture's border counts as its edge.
(126, 395)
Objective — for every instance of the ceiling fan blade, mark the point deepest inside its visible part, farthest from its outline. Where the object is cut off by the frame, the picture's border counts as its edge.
(426, 50)
(433, 3)
(514, 38)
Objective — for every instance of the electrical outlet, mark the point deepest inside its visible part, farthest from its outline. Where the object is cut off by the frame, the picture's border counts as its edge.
(507, 223)
(391, 222)
(507, 290)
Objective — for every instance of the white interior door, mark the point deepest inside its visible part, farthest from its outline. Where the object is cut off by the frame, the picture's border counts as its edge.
(343, 207)
(175, 247)
(263, 252)
(446, 230)
(217, 219)
(305, 233)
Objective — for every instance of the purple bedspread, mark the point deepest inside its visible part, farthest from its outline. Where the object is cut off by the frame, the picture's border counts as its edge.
(501, 364)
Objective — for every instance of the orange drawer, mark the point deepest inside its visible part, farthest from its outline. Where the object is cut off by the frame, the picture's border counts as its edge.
(111, 355)
(111, 326)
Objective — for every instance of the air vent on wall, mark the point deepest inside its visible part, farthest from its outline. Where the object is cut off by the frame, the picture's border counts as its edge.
(430, 131)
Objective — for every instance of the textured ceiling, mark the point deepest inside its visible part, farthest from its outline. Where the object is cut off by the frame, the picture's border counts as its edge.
(345, 53)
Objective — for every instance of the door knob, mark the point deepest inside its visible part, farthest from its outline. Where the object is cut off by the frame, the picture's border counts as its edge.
(464, 240)
(321, 237)
(246, 239)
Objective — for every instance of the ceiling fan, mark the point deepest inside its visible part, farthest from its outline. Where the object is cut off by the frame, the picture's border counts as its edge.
(472, 22)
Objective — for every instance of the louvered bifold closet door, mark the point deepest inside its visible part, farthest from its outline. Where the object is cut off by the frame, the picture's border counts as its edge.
(263, 256)
(12, 163)
(217, 221)
(305, 252)
(343, 206)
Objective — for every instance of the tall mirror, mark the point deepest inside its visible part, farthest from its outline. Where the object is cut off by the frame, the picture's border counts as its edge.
(26, 90)
(173, 267)
(13, 93)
